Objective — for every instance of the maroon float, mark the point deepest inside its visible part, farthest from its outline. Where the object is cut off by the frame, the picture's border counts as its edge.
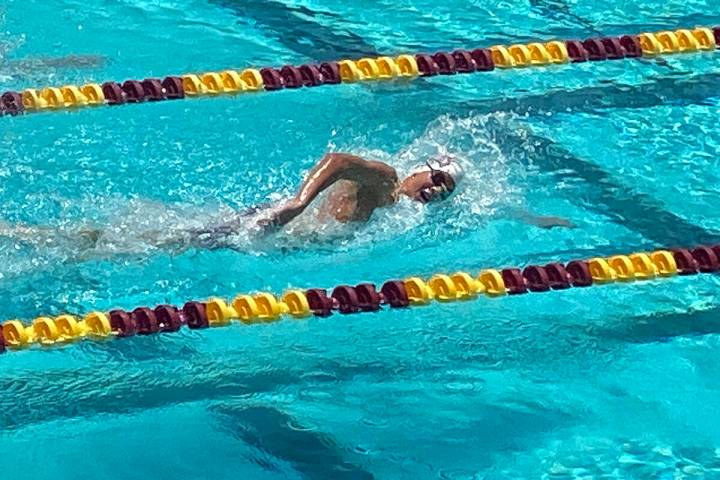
(631, 45)
(445, 63)
(134, 92)
(558, 277)
(311, 75)
(195, 314)
(122, 323)
(483, 59)
(716, 250)
(346, 298)
(11, 103)
(576, 51)
(153, 89)
(595, 49)
(706, 259)
(145, 320)
(291, 76)
(168, 318)
(113, 92)
(173, 87)
(271, 79)
(368, 297)
(319, 302)
(514, 281)
(579, 273)
(464, 62)
(330, 72)
(395, 294)
(686, 264)
(426, 65)
(536, 278)
(613, 48)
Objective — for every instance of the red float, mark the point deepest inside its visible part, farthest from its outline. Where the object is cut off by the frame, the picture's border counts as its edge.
(271, 79)
(153, 89)
(631, 45)
(368, 296)
(579, 273)
(445, 63)
(145, 320)
(536, 278)
(686, 264)
(319, 302)
(195, 314)
(122, 323)
(426, 65)
(483, 59)
(291, 76)
(394, 294)
(173, 87)
(558, 277)
(464, 62)
(706, 259)
(168, 318)
(346, 298)
(113, 93)
(514, 281)
(576, 51)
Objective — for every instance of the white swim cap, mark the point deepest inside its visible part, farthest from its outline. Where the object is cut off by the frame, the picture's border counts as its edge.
(445, 163)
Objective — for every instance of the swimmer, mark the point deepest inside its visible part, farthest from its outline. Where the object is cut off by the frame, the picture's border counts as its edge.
(356, 187)
(361, 186)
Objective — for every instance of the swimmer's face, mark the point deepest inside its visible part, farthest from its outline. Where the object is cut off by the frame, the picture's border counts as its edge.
(426, 187)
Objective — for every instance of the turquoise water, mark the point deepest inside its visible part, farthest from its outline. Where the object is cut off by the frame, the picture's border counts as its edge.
(608, 382)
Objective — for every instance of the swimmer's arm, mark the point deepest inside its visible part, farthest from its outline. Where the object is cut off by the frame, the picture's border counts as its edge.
(332, 168)
(341, 166)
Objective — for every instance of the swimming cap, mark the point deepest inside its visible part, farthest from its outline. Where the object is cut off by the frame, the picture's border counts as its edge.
(444, 163)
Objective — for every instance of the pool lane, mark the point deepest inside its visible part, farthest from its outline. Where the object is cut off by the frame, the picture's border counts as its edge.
(297, 28)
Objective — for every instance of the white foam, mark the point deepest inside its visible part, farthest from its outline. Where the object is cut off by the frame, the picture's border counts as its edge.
(142, 226)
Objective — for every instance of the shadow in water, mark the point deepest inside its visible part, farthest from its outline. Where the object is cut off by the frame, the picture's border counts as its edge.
(296, 28)
(661, 327)
(313, 454)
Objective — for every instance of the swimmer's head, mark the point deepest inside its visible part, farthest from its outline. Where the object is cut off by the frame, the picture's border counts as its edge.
(437, 179)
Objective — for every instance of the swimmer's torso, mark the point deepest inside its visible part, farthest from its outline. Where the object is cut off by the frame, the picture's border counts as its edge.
(349, 201)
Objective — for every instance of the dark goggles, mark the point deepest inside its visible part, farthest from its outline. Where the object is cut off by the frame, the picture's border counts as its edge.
(443, 186)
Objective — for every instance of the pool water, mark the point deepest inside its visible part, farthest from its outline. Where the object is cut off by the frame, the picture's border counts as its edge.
(618, 381)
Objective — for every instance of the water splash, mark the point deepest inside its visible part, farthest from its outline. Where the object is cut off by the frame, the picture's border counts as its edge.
(490, 183)
(493, 181)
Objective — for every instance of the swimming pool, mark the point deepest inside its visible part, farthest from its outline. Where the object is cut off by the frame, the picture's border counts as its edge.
(614, 381)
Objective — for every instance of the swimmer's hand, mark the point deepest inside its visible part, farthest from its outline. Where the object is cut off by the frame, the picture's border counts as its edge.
(278, 217)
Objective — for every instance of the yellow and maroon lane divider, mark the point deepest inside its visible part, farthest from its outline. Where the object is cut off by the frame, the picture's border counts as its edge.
(365, 69)
(365, 297)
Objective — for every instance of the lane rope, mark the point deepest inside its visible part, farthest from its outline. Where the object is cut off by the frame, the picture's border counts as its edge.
(384, 68)
(264, 307)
